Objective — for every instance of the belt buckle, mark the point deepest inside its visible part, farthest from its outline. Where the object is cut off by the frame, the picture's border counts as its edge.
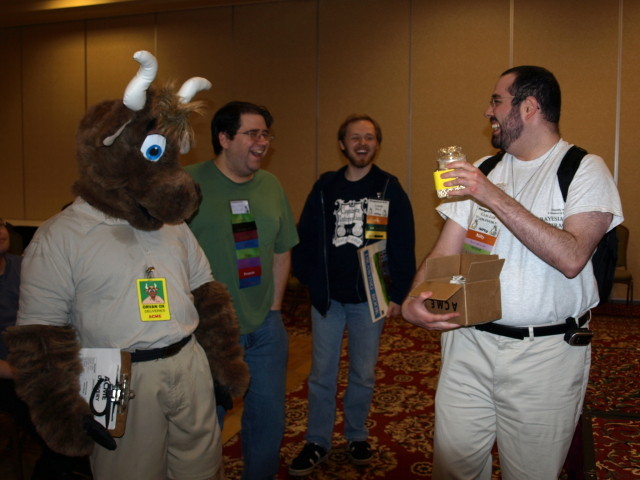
(576, 335)
(580, 337)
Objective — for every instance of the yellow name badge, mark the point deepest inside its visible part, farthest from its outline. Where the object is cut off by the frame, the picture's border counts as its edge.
(152, 299)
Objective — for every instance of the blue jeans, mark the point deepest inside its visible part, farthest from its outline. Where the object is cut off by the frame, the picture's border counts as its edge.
(363, 341)
(263, 418)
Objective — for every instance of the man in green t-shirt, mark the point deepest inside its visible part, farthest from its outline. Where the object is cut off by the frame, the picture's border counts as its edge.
(246, 229)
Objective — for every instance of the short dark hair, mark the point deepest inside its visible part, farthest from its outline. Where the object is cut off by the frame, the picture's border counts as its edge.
(227, 120)
(342, 131)
(540, 83)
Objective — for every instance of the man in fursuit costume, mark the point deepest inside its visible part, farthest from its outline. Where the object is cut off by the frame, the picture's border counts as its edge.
(83, 283)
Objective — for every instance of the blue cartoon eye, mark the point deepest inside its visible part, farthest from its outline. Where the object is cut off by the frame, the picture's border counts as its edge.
(153, 147)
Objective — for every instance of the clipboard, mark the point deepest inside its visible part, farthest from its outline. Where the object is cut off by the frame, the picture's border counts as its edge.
(105, 384)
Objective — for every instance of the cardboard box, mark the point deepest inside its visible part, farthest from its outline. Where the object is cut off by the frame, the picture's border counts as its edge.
(477, 300)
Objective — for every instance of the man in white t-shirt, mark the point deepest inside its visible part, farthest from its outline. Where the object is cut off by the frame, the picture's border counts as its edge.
(518, 382)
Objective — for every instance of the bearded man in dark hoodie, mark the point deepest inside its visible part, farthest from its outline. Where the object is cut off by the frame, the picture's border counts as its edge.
(353, 207)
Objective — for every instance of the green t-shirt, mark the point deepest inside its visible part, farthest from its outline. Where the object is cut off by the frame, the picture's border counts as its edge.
(213, 227)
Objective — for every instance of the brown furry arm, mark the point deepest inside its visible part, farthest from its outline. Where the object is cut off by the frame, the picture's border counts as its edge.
(47, 364)
(219, 335)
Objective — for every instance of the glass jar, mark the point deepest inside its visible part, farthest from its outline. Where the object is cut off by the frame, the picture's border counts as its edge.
(446, 155)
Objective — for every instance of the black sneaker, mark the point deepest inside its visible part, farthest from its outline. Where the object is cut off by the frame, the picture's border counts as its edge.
(310, 456)
(360, 453)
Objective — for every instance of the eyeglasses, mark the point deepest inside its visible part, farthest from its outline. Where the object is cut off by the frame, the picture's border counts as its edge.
(258, 134)
(496, 100)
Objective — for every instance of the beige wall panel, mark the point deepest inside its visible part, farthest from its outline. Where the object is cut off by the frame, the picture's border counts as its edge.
(586, 66)
(199, 43)
(111, 44)
(274, 65)
(579, 45)
(456, 60)
(629, 174)
(54, 80)
(11, 162)
(423, 69)
(364, 68)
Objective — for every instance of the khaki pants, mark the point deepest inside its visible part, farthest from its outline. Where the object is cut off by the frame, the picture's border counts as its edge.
(526, 395)
(172, 430)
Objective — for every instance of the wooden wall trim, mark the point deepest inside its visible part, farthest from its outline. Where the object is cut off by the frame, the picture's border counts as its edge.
(34, 12)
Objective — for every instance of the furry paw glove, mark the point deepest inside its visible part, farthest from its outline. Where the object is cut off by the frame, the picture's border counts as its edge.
(48, 368)
(218, 333)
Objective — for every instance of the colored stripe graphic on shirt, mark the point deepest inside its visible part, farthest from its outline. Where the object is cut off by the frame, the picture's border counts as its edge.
(245, 235)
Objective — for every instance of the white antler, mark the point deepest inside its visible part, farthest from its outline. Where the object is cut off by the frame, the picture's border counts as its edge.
(135, 95)
(191, 87)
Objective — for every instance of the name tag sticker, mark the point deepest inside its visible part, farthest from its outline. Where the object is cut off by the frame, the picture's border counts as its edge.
(238, 207)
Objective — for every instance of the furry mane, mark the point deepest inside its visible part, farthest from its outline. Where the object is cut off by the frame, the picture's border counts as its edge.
(173, 115)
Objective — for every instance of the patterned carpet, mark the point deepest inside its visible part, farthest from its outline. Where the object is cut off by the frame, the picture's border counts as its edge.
(401, 419)
(612, 405)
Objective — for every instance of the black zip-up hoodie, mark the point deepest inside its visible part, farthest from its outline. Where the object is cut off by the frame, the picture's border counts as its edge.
(311, 257)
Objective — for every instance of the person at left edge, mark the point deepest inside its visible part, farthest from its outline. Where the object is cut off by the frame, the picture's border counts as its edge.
(246, 229)
(50, 465)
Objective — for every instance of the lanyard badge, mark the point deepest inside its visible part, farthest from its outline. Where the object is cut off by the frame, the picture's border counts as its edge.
(153, 300)
(482, 234)
(377, 219)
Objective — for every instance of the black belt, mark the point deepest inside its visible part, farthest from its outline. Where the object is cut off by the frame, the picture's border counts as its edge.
(156, 353)
(520, 333)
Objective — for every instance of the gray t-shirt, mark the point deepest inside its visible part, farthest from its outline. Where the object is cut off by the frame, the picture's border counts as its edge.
(83, 268)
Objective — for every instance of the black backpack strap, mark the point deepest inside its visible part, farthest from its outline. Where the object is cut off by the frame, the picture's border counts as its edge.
(488, 165)
(566, 171)
(568, 168)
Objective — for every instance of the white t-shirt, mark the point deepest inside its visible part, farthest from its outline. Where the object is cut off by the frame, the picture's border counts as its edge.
(533, 292)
